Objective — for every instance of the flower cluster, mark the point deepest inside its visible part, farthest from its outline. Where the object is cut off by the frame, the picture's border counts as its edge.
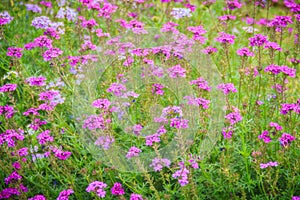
(97, 187)
(269, 164)
(159, 163)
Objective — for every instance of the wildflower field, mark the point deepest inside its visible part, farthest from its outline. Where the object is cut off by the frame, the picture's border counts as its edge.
(149, 99)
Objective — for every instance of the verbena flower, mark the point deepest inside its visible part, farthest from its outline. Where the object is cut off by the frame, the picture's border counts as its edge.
(117, 189)
(234, 117)
(133, 152)
(269, 164)
(98, 188)
(64, 195)
(286, 139)
(159, 163)
(179, 13)
(245, 52)
(182, 174)
(227, 88)
(225, 38)
(176, 71)
(209, 50)
(14, 52)
(134, 196)
(258, 40)
(105, 141)
(265, 137)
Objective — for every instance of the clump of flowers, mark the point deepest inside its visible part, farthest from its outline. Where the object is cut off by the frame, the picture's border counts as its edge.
(159, 163)
(179, 13)
(225, 38)
(182, 174)
(286, 139)
(133, 152)
(14, 52)
(176, 71)
(227, 88)
(209, 50)
(105, 141)
(98, 188)
(245, 52)
(64, 195)
(269, 164)
(117, 189)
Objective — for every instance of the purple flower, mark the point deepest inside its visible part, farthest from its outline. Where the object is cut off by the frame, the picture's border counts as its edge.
(280, 22)
(272, 45)
(209, 50)
(52, 53)
(36, 81)
(43, 41)
(101, 103)
(64, 195)
(9, 192)
(182, 174)
(258, 40)
(9, 136)
(14, 52)
(269, 164)
(276, 126)
(94, 122)
(286, 139)
(227, 88)
(159, 163)
(225, 38)
(13, 176)
(157, 89)
(7, 111)
(116, 88)
(227, 132)
(169, 27)
(105, 141)
(133, 152)
(201, 83)
(244, 52)
(34, 8)
(5, 18)
(62, 155)
(134, 196)
(117, 189)
(232, 4)
(234, 117)
(179, 123)
(227, 17)
(45, 137)
(150, 139)
(265, 137)
(98, 188)
(176, 71)
(107, 10)
(41, 22)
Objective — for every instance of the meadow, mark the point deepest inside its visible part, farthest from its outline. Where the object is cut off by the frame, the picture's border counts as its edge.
(149, 99)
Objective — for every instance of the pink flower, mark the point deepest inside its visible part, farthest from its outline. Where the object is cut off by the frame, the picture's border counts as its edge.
(133, 152)
(117, 189)
(64, 195)
(227, 88)
(101, 103)
(159, 163)
(176, 71)
(116, 88)
(244, 52)
(45, 137)
(14, 52)
(225, 38)
(98, 188)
